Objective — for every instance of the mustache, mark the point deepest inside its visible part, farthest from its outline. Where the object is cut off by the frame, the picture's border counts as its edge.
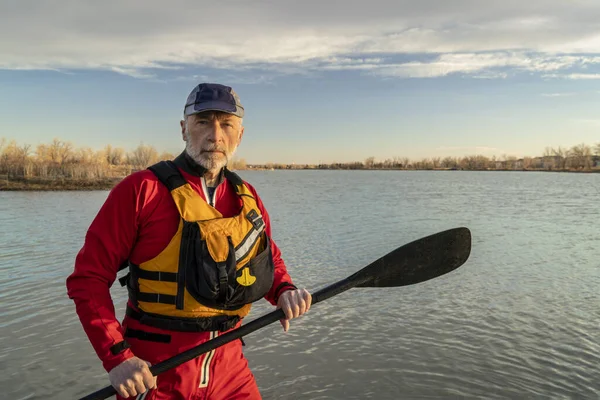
(215, 147)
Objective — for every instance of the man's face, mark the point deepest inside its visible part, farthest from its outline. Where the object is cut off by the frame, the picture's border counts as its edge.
(212, 138)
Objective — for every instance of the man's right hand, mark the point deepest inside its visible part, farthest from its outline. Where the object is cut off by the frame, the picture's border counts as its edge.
(132, 377)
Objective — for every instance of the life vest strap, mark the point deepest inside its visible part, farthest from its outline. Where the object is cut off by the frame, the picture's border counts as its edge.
(156, 298)
(153, 275)
(233, 178)
(168, 174)
(220, 323)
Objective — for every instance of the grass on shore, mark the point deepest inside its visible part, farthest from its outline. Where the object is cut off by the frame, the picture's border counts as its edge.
(56, 184)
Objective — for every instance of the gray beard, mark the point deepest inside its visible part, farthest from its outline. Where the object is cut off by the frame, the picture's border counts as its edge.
(205, 161)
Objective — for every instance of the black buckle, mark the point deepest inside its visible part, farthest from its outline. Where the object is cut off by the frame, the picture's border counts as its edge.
(255, 219)
(124, 279)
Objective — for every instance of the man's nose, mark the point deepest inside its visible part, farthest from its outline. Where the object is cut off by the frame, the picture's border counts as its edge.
(215, 132)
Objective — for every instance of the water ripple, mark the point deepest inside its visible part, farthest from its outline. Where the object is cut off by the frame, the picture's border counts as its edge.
(519, 320)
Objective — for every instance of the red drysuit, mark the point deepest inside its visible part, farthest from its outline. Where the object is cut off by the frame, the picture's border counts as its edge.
(136, 223)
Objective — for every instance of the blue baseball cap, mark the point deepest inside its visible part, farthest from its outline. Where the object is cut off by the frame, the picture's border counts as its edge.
(213, 97)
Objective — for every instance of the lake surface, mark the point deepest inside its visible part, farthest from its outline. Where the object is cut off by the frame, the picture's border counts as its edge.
(520, 319)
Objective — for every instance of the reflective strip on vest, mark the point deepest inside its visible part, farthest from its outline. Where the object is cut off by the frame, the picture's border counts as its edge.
(244, 248)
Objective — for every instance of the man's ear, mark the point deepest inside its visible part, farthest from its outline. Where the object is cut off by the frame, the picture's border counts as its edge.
(241, 134)
(183, 131)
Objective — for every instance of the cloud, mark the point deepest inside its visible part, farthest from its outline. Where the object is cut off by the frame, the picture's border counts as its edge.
(468, 63)
(583, 76)
(392, 38)
(133, 72)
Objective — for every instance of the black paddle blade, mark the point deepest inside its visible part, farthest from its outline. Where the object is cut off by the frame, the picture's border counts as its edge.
(418, 261)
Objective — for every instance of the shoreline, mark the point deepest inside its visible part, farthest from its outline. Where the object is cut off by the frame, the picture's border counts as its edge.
(54, 185)
(68, 184)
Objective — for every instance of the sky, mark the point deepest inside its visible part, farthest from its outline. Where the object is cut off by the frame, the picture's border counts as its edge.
(320, 81)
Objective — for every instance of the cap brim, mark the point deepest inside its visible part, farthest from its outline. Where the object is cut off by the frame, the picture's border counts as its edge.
(214, 106)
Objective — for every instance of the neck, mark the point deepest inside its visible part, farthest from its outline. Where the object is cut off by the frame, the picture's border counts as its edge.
(212, 177)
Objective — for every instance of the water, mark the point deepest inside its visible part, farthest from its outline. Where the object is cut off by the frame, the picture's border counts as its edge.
(521, 319)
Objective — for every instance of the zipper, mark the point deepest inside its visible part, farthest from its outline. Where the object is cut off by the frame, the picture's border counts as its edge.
(211, 200)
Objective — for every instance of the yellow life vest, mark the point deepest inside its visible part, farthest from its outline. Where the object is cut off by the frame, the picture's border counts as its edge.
(212, 269)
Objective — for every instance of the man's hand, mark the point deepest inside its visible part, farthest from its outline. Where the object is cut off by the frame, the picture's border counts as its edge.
(132, 377)
(294, 303)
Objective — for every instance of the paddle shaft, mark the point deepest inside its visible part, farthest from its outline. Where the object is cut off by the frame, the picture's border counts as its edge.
(230, 336)
(415, 262)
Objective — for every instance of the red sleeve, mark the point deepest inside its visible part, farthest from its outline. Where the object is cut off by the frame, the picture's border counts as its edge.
(282, 281)
(107, 245)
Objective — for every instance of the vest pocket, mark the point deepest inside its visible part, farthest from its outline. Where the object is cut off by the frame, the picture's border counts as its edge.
(217, 284)
(254, 280)
(206, 280)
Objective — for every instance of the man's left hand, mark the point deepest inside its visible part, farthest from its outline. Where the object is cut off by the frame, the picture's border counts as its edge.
(294, 303)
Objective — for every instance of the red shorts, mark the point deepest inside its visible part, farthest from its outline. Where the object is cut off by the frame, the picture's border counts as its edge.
(221, 374)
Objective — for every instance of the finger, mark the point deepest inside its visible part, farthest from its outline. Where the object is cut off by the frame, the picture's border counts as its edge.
(149, 380)
(292, 304)
(122, 391)
(301, 306)
(295, 309)
(287, 310)
(130, 385)
(140, 387)
(308, 299)
(285, 323)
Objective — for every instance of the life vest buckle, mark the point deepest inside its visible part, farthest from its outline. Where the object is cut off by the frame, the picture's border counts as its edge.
(255, 219)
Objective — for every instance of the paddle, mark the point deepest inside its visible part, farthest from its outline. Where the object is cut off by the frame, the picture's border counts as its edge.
(415, 262)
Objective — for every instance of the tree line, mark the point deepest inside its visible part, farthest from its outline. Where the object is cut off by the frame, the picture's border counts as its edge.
(60, 159)
(580, 157)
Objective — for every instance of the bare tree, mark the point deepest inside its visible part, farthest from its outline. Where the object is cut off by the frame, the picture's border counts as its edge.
(425, 163)
(561, 155)
(581, 157)
(511, 162)
(238, 163)
(369, 162)
(143, 156)
(449, 162)
(405, 162)
(85, 155)
(59, 152)
(25, 150)
(114, 155)
(165, 155)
